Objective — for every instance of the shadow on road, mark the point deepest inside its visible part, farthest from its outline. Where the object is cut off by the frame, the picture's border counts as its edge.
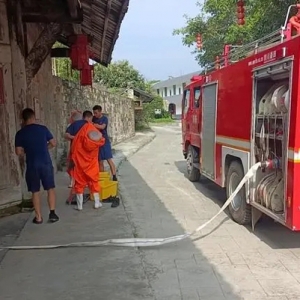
(174, 271)
(274, 234)
(208, 188)
(10, 228)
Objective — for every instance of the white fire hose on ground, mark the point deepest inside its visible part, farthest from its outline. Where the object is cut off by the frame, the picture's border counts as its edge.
(146, 242)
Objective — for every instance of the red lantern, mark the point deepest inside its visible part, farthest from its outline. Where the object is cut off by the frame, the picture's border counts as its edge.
(241, 22)
(217, 63)
(79, 53)
(199, 41)
(86, 75)
(241, 3)
(226, 55)
(241, 12)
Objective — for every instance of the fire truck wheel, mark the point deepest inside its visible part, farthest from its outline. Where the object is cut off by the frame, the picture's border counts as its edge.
(192, 157)
(239, 210)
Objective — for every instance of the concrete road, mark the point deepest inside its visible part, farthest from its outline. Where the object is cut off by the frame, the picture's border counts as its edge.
(226, 261)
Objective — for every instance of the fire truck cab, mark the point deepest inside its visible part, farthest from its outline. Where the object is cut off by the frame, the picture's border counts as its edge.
(247, 110)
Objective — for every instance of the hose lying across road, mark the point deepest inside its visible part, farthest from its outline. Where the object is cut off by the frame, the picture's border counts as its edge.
(145, 242)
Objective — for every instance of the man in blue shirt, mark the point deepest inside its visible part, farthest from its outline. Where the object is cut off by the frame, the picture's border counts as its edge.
(34, 141)
(73, 128)
(105, 153)
(76, 116)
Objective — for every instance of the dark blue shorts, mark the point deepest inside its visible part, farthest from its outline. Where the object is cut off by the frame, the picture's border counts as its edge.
(105, 152)
(40, 174)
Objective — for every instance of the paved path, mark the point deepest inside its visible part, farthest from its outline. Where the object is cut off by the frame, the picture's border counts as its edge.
(227, 262)
(230, 262)
(74, 273)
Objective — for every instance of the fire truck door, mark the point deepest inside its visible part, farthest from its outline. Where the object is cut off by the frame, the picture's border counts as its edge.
(209, 107)
(185, 112)
(196, 117)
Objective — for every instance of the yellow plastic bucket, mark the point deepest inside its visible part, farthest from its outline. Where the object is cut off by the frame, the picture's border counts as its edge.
(104, 176)
(108, 188)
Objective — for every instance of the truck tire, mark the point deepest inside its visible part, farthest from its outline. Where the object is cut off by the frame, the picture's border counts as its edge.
(239, 209)
(193, 173)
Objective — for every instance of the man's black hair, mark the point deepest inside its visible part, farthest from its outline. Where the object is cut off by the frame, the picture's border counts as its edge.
(87, 114)
(97, 107)
(28, 114)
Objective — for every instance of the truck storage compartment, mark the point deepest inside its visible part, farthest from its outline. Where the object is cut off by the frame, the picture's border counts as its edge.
(270, 137)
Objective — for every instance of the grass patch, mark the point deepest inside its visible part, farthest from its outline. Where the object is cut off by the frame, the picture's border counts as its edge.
(162, 121)
(142, 127)
(145, 130)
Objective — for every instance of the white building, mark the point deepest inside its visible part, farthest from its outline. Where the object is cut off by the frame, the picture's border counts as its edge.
(172, 89)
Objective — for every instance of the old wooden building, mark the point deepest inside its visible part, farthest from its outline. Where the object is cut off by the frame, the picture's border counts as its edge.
(28, 30)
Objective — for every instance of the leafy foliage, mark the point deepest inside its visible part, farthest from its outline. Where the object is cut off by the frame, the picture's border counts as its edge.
(149, 108)
(119, 74)
(147, 115)
(118, 77)
(217, 23)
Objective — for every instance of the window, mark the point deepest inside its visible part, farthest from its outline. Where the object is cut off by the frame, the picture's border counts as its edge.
(179, 91)
(174, 89)
(186, 101)
(197, 94)
(166, 92)
(157, 91)
(170, 92)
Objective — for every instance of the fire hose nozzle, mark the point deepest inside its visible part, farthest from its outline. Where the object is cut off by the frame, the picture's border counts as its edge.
(264, 164)
(270, 164)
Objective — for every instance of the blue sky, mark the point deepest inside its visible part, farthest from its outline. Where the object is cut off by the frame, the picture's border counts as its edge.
(146, 39)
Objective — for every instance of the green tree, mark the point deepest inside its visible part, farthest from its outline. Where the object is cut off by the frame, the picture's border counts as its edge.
(153, 81)
(119, 75)
(217, 22)
(149, 108)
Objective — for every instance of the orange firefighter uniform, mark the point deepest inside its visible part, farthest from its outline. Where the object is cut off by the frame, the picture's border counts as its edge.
(84, 168)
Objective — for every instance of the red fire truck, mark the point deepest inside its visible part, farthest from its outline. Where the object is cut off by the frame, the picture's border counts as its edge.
(244, 111)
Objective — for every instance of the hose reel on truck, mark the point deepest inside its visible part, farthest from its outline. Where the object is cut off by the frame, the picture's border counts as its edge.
(267, 187)
(271, 131)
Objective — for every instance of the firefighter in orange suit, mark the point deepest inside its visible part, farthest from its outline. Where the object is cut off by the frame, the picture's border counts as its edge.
(84, 167)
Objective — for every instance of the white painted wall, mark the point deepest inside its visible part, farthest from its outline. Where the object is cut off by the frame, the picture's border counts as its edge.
(171, 91)
(173, 94)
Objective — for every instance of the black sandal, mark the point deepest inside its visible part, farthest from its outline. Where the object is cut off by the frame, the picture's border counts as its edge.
(35, 221)
(116, 202)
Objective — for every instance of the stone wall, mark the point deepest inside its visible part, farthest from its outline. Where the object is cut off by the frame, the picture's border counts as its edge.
(53, 100)
(56, 98)
(119, 110)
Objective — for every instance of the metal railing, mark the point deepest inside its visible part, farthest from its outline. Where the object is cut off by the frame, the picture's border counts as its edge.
(236, 52)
